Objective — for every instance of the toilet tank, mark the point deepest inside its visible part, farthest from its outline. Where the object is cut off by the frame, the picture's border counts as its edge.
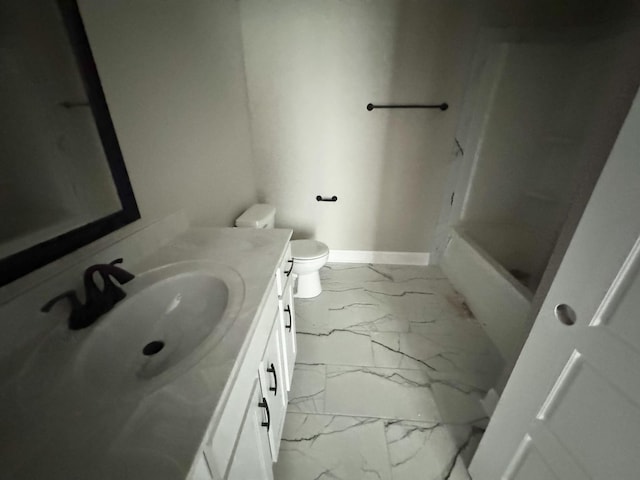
(260, 215)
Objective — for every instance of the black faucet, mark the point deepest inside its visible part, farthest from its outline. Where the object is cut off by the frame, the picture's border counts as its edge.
(97, 302)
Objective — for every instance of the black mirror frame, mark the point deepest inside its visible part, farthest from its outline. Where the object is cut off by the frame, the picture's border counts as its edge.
(32, 258)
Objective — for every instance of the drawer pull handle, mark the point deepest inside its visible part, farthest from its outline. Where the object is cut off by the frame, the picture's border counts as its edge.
(288, 310)
(272, 369)
(288, 272)
(265, 405)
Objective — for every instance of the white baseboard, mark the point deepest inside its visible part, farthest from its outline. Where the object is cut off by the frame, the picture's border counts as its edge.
(388, 258)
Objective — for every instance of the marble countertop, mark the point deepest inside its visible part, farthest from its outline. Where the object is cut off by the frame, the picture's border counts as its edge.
(53, 426)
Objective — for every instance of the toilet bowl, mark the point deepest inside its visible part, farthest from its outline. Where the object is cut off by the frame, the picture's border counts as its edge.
(309, 256)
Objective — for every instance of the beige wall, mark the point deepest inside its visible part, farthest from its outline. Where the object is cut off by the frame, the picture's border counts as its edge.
(312, 67)
(174, 80)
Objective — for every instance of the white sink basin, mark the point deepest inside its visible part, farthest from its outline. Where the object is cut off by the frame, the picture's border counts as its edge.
(170, 318)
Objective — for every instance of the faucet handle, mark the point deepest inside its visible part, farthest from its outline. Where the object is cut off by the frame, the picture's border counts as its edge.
(111, 292)
(119, 274)
(70, 295)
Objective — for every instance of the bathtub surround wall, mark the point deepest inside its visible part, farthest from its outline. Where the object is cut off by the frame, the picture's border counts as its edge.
(312, 67)
(173, 77)
(532, 149)
(537, 129)
(509, 188)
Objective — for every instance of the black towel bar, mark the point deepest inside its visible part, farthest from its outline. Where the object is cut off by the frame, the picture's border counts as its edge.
(441, 106)
(321, 199)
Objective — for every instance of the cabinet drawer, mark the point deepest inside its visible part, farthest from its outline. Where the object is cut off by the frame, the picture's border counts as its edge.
(287, 324)
(284, 271)
(273, 384)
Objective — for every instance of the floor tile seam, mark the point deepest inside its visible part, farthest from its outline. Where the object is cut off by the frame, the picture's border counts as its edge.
(385, 419)
(446, 379)
(399, 369)
(374, 417)
(322, 332)
(435, 338)
(436, 378)
(428, 424)
(329, 364)
(438, 285)
(328, 330)
(369, 290)
(388, 450)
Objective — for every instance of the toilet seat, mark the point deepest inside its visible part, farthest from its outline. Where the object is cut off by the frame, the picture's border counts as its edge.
(302, 250)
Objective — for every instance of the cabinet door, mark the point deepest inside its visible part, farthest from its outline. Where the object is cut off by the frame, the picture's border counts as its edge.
(252, 457)
(283, 274)
(273, 386)
(288, 332)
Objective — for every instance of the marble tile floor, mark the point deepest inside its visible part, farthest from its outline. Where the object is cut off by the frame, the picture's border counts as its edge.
(390, 368)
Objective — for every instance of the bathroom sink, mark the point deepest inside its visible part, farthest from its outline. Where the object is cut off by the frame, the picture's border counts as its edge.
(172, 316)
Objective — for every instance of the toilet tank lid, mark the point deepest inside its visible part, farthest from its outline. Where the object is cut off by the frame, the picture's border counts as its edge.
(256, 216)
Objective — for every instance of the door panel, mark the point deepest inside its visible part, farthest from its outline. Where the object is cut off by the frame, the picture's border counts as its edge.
(619, 310)
(529, 464)
(587, 415)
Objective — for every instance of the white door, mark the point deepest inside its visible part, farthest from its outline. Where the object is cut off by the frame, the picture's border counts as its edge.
(571, 409)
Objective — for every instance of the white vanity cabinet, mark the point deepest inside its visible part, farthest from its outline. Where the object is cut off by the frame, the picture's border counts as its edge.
(245, 441)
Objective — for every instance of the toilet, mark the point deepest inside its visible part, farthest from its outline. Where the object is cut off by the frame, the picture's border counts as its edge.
(309, 256)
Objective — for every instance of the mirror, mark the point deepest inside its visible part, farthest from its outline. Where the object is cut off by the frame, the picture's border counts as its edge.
(63, 182)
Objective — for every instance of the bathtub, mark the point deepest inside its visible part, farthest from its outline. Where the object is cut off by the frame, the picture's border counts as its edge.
(498, 301)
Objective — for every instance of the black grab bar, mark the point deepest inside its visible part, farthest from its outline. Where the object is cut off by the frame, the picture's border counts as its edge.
(441, 106)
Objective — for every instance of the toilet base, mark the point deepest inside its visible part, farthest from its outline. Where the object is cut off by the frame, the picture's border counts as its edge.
(308, 285)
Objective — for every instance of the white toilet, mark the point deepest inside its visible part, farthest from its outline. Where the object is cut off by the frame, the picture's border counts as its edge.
(309, 256)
